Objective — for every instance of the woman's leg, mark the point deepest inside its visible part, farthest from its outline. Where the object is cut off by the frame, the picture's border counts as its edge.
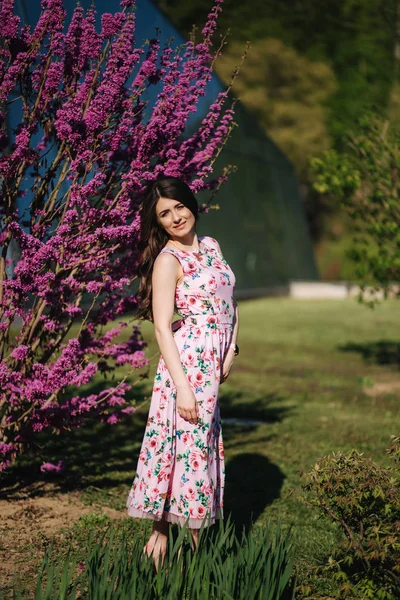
(195, 539)
(195, 536)
(157, 543)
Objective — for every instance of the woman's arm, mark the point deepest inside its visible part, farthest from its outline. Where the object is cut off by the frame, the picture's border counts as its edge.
(236, 326)
(166, 273)
(230, 355)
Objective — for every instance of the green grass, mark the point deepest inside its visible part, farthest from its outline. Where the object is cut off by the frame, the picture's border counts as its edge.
(302, 372)
(258, 565)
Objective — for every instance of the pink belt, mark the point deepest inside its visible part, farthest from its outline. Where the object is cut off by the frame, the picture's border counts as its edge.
(201, 320)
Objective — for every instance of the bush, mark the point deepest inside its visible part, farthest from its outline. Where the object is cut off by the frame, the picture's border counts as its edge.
(363, 499)
(365, 180)
(222, 567)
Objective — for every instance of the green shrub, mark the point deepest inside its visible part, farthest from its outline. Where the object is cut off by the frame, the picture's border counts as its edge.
(364, 178)
(363, 499)
(258, 566)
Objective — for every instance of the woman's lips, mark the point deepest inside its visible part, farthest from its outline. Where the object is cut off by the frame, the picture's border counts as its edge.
(179, 226)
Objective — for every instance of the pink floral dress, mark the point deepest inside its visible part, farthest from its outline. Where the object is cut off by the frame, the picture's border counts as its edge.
(180, 472)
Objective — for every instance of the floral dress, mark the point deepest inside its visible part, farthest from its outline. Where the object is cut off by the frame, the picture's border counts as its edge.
(180, 472)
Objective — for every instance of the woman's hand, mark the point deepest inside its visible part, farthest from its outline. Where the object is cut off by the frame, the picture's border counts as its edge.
(228, 362)
(186, 404)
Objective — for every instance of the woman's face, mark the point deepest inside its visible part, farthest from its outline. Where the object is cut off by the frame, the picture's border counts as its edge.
(175, 217)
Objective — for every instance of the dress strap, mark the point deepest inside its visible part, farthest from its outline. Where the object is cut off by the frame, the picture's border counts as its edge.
(170, 251)
(210, 242)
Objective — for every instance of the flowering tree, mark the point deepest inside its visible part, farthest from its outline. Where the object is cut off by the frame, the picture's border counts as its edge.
(86, 145)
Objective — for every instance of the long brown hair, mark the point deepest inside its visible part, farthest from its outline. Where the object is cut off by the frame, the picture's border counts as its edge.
(153, 236)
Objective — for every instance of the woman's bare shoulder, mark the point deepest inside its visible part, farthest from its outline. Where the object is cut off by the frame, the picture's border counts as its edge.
(166, 259)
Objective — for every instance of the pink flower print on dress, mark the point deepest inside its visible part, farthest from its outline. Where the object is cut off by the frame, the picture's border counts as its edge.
(209, 370)
(190, 494)
(164, 475)
(206, 489)
(188, 440)
(191, 269)
(199, 379)
(167, 458)
(208, 356)
(190, 360)
(163, 400)
(212, 284)
(195, 460)
(221, 449)
(153, 494)
(201, 511)
(210, 405)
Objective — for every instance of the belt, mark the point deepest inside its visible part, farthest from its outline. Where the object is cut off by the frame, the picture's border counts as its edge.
(210, 320)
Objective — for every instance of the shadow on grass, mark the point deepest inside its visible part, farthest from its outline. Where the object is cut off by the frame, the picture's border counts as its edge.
(267, 408)
(252, 480)
(381, 352)
(252, 483)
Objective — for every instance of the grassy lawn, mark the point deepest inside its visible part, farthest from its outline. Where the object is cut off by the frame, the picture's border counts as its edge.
(312, 377)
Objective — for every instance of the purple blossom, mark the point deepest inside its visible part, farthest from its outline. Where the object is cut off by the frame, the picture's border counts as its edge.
(94, 286)
(78, 249)
(6, 448)
(128, 410)
(137, 359)
(20, 352)
(112, 419)
(7, 453)
(9, 22)
(111, 24)
(49, 467)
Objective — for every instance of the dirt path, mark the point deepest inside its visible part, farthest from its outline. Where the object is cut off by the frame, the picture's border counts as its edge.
(380, 388)
(30, 521)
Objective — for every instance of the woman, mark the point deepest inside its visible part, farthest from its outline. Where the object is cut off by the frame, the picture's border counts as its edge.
(180, 472)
